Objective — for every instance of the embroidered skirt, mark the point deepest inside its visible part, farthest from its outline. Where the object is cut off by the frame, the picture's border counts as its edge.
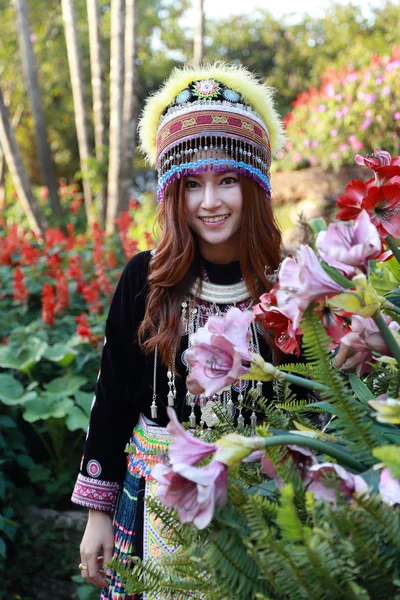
(137, 530)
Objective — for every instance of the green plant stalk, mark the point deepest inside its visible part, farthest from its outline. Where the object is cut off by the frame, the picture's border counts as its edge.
(42, 438)
(309, 384)
(324, 447)
(387, 305)
(393, 247)
(387, 336)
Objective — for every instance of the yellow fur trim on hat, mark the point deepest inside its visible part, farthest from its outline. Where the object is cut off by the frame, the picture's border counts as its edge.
(257, 94)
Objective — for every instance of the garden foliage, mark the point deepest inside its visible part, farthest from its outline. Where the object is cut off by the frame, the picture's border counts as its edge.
(348, 113)
(55, 295)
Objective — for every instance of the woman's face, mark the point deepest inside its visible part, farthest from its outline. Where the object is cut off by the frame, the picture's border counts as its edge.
(214, 211)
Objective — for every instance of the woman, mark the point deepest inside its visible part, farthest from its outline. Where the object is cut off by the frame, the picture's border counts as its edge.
(210, 132)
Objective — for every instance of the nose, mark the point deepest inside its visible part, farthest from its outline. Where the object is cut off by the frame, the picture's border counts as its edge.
(211, 197)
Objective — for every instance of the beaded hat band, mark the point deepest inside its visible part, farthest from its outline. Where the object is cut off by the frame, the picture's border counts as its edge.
(219, 118)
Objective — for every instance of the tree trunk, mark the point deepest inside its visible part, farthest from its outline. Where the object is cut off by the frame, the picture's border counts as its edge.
(30, 72)
(98, 91)
(14, 124)
(129, 115)
(116, 103)
(15, 165)
(198, 46)
(78, 96)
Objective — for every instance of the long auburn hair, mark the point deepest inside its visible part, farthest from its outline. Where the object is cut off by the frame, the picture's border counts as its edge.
(177, 262)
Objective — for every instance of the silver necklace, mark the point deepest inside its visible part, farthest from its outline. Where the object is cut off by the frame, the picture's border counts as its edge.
(220, 294)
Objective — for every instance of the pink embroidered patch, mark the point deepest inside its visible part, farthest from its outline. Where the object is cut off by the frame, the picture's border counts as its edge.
(93, 468)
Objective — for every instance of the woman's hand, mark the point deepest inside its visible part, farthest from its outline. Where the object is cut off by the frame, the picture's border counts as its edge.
(344, 353)
(98, 540)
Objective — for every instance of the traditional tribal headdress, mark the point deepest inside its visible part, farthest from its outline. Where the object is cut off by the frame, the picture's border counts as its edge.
(219, 117)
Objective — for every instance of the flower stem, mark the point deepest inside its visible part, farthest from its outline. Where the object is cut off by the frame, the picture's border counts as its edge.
(387, 305)
(323, 447)
(387, 336)
(393, 247)
(309, 384)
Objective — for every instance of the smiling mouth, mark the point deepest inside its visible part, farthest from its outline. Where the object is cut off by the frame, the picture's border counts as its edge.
(214, 219)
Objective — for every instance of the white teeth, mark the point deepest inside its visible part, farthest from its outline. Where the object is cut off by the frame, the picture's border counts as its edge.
(214, 219)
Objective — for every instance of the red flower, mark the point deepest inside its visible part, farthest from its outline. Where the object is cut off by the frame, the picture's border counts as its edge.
(62, 297)
(83, 330)
(44, 192)
(350, 203)
(91, 293)
(48, 304)
(383, 206)
(336, 327)
(21, 294)
(75, 272)
(112, 261)
(75, 205)
(273, 319)
(382, 164)
(149, 240)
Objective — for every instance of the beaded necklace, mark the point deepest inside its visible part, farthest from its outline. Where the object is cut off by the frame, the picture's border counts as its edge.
(203, 301)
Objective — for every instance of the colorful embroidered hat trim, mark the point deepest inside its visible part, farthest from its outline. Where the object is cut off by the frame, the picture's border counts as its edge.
(219, 165)
(219, 114)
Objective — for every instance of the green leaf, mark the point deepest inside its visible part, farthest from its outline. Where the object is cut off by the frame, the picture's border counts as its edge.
(25, 358)
(12, 392)
(372, 478)
(390, 456)
(66, 386)
(336, 275)
(25, 461)
(362, 392)
(3, 548)
(84, 401)
(7, 422)
(60, 354)
(318, 224)
(77, 419)
(46, 407)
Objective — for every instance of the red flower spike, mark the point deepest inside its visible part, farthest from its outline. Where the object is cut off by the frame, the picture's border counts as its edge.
(83, 329)
(62, 294)
(20, 292)
(48, 304)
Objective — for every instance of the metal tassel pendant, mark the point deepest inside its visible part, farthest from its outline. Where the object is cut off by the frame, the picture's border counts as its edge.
(253, 420)
(192, 419)
(171, 399)
(189, 398)
(240, 420)
(259, 388)
(154, 410)
(231, 408)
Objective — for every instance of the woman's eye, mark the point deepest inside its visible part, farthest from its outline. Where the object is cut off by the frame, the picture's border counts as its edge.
(191, 185)
(229, 180)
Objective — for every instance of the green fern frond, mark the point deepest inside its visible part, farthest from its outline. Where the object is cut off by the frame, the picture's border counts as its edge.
(354, 422)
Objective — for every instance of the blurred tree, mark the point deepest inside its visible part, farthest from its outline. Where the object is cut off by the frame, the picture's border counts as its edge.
(77, 83)
(99, 98)
(13, 157)
(116, 106)
(130, 105)
(198, 45)
(30, 73)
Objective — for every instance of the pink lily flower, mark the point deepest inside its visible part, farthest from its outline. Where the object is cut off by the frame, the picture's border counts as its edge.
(366, 338)
(301, 282)
(322, 485)
(194, 492)
(215, 364)
(234, 326)
(389, 488)
(185, 448)
(302, 457)
(347, 247)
